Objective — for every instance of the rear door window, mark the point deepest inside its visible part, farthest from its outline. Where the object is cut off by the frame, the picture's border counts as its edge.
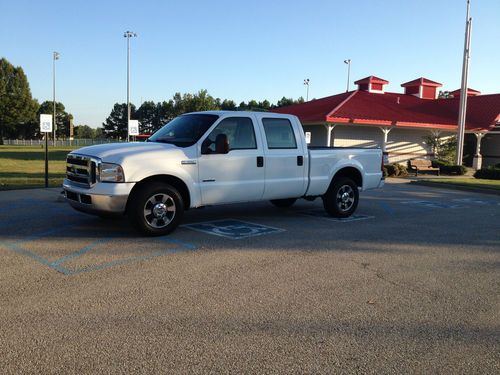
(279, 133)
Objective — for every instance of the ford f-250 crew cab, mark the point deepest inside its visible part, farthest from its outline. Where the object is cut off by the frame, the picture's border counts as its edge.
(217, 157)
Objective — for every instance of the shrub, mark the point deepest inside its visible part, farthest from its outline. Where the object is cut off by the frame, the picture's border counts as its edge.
(385, 172)
(438, 163)
(402, 171)
(395, 170)
(447, 168)
(497, 165)
(452, 169)
(490, 173)
(392, 170)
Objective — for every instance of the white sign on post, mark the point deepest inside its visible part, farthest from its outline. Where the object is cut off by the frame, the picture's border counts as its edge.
(308, 137)
(46, 123)
(133, 127)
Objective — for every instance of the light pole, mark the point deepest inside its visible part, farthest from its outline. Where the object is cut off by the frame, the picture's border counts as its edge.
(348, 62)
(128, 35)
(55, 56)
(462, 111)
(306, 83)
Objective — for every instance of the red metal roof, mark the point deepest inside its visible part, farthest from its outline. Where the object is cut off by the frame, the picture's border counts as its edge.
(371, 79)
(470, 92)
(400, 110)
(421, 82)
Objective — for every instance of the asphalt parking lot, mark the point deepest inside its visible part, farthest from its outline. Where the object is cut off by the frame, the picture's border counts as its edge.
(410, 285)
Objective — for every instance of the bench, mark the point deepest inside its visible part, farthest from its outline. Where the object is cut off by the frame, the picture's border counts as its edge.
(422, 165)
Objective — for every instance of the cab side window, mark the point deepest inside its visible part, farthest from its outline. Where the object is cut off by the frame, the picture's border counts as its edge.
(239, 131)
(279, 133)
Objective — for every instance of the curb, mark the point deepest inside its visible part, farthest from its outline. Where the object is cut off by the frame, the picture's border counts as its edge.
(445, 185)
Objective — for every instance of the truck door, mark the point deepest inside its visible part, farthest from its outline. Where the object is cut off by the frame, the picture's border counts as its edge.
(284, 159)
(237, 176)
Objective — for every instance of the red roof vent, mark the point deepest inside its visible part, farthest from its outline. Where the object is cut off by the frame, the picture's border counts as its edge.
(422, 88)
(371, 84)
(470, 92)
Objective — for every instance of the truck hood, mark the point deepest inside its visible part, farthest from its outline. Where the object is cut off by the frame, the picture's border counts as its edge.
(118, 152)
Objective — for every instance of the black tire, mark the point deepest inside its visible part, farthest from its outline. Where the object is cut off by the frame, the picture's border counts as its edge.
(165, 207)
(283, 203)
(342, 198)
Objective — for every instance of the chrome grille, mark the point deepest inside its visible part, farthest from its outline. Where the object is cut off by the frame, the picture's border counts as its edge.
(81, 170)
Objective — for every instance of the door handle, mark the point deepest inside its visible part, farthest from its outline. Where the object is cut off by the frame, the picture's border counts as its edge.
(300, 160)
(260, 161)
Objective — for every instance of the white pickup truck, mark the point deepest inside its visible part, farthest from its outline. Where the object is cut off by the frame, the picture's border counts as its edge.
(217, 157)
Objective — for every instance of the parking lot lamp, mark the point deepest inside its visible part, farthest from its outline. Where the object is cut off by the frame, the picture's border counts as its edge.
(55, 56)
(128, 35)
(348, 62)
(306, 83)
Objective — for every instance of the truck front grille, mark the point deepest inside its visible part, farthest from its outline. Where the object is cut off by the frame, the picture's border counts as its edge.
(81, 170)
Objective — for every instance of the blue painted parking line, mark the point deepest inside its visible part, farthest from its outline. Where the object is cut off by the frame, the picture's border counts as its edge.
(58, 265)
(19, 250)
(323, 215)
(387, 207)
(481, 202)
(233, 229)
(432, 204)
(82, 251)
(120, 262)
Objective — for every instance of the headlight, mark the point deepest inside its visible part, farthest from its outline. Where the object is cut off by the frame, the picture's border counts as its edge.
(109, 172)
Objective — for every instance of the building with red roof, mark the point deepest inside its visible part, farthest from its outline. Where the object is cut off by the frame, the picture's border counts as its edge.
(399, 122)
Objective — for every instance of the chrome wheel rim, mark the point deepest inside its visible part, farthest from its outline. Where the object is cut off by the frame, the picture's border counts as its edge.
(345, 198)
(159, 210)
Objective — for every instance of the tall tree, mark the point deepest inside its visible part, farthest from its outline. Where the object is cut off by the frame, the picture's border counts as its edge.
(228, 105)
(17, 106)
(148, 116)
(283, 102)
(84, 132)
(116, 125)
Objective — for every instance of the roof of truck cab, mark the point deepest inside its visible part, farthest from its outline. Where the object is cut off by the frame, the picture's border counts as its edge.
(241, 113)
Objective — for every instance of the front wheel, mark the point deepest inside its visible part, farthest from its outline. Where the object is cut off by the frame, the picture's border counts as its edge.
(156, 209)
(342, 197)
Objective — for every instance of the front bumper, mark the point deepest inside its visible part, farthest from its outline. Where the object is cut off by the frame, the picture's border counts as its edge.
(102, 198)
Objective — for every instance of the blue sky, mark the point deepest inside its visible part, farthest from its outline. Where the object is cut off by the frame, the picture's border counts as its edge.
(241, 50)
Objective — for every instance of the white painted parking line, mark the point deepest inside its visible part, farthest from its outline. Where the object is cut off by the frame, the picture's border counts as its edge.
(233, 229)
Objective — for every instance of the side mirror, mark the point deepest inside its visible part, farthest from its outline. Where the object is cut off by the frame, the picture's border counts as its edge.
(221, 144)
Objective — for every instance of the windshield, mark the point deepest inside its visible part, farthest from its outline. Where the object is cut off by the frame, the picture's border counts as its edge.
(185, 130)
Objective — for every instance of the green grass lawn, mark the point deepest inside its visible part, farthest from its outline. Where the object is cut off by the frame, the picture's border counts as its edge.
(24, 166)
(469, 182)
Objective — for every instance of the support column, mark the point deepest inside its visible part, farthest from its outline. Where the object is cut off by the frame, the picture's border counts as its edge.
(329, 128)
(385, 132)
(478, 158)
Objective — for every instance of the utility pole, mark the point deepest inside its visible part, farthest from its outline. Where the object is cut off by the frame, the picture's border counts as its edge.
(462, 112)
(306, 83)
(348, 62)
(55, 56)
(128, 35)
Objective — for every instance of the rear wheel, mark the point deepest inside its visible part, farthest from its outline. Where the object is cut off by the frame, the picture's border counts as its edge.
(284, 203)
(342, 197)
(156, 209)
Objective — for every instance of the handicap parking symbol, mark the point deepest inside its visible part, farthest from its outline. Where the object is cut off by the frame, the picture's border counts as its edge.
(234, 229)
